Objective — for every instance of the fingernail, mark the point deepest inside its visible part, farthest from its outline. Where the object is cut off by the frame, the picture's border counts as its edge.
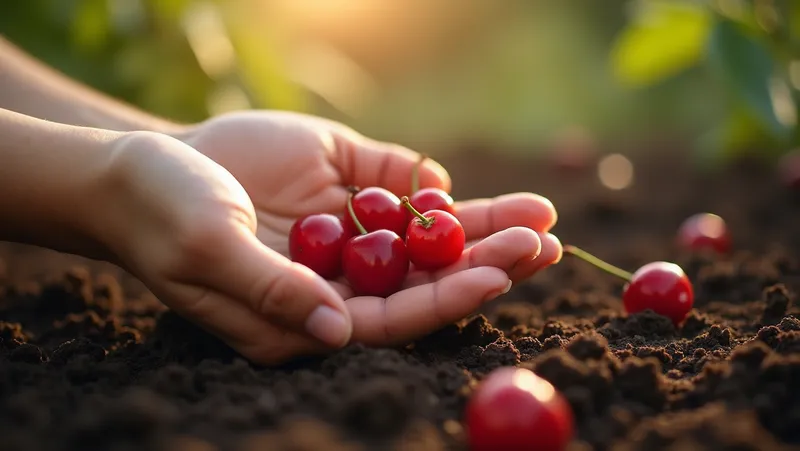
(329, 326)
(495, 294)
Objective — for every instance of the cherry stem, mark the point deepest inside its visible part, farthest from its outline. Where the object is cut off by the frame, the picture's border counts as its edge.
(426, 222)
(415, 173)
(350, 210)
(607, 267)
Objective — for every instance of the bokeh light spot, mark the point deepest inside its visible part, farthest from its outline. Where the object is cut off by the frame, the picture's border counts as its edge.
(615, 171)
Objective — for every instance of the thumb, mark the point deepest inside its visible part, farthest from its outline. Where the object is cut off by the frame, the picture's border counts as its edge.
(285, 293)
(366, 162)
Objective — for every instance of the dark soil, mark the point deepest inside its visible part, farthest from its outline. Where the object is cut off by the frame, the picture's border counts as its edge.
(89, 360)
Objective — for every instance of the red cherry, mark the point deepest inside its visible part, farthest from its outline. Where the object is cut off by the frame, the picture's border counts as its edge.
(428, 199)
(704, 231)
(374, 263)
(515, 409)
(377, 208)
(316, 241)
(435, 239)
(350, 229)
(662, 287)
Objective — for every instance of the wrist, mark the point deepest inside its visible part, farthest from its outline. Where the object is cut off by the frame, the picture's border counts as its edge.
(52, 179)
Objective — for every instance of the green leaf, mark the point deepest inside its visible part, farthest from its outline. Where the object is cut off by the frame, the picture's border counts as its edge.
(746, 68)
(664, 38)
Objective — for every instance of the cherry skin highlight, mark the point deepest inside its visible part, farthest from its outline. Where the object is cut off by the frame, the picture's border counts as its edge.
(316, 241)
(515, 409)
(434, 240)
(662, 287)
(378, 208)
(428, 199)
(376, 263)
(704, 231)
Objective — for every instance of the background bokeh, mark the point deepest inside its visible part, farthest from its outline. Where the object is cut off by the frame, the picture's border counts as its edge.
(516, 75)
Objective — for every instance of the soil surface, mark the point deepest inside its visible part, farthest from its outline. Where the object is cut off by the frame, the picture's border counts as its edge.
(90, 360)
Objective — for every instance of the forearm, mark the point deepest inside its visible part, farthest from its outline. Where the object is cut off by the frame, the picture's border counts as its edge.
(29, 87)
(50, 178)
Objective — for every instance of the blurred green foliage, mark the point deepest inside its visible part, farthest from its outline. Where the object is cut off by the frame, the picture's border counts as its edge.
(716, 70)
(139, 51)
(749, 49)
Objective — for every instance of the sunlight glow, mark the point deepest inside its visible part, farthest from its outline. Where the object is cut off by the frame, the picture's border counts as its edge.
(227, 98)
(209, 39)
(332, 75)
(615, 172)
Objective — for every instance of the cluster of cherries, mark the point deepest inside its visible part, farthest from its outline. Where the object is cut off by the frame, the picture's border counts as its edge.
(375, 243)
(515, 409)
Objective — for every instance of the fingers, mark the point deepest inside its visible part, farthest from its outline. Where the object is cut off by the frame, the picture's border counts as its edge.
(364, 162)
(551, 254)
(234, 323)
(427, 302)
(416, 311)
(482, 217)
(505, 250)
(283, 292)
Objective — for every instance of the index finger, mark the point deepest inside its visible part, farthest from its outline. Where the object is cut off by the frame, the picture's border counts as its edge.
(483, 217)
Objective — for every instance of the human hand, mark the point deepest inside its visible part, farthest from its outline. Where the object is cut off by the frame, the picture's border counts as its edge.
(292, 165)
(185, 227)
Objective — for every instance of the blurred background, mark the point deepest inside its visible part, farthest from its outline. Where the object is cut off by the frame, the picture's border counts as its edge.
(617, 111)
(516, 76)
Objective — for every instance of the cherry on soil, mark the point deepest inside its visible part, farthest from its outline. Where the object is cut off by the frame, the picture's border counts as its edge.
(317, 241)
(374, 263)
(704, 231)
(515, 409)
(434, 239)
(377, 208)
(662, 287)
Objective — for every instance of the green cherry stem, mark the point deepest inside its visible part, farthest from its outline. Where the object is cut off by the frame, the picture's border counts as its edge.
(426, 222)
(607, 267)
(350, 210)
(415, 173)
